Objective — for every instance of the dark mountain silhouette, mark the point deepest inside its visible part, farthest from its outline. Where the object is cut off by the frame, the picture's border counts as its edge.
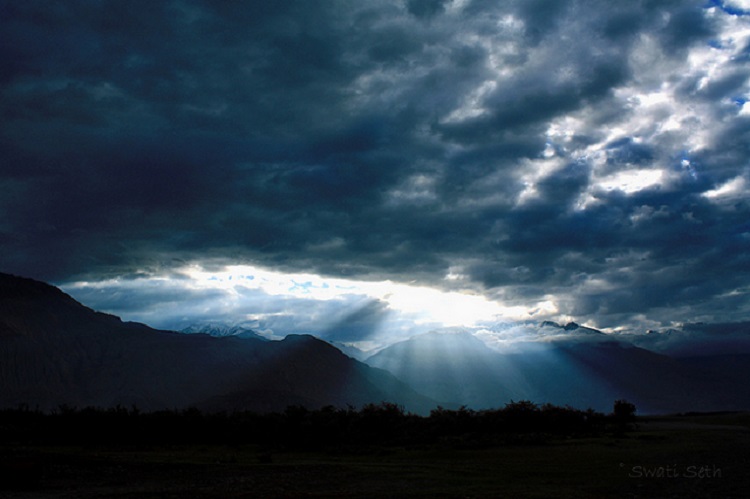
(351, 351)
(588, 370)
(698, 340)
(55, 351)
(460, 368)
(572, 326)
(727, 375)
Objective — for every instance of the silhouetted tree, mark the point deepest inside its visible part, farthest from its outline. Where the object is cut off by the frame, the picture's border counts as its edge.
(299, 427)
(623, 414)
(521, 416)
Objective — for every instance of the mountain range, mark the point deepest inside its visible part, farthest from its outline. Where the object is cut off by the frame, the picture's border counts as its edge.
(220, 330)
(55, 351)
(582, 367)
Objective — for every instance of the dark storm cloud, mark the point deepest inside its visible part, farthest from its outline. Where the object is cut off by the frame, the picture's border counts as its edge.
(425, 8)
(385, 139)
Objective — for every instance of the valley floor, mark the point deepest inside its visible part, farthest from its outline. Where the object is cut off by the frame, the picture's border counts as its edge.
(685, 456)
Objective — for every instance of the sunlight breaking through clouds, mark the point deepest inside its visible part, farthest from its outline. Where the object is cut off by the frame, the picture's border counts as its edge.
(631, 181)
(448, 162)
(277, 303)
(737, 187)
(425, 304)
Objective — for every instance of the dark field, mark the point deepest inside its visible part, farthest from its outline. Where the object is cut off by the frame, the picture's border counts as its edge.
(686, 456)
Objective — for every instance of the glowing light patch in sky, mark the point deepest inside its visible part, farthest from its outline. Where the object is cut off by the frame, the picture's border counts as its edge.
(738, 4)
(731, 189)
(427, 305)
(365, 314)
(473, 105)
(631, 181)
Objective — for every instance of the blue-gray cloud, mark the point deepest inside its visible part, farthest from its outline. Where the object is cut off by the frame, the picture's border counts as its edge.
(387, 140)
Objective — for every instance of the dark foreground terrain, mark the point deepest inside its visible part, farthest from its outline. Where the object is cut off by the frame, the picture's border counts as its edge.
(702, 455)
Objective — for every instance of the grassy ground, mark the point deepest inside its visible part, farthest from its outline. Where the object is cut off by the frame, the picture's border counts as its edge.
(680, 457)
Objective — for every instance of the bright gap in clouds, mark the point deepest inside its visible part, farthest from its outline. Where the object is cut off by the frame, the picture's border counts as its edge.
(631, 181)
(425, 305)
(732, 189)
(367, 314)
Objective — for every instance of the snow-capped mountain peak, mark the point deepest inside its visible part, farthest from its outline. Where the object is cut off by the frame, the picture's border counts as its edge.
(219, 330)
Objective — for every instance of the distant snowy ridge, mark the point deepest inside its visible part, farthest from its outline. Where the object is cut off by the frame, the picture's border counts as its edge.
(220, 330)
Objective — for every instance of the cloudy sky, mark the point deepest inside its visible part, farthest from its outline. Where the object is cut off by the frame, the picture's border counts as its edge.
(344, 167)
